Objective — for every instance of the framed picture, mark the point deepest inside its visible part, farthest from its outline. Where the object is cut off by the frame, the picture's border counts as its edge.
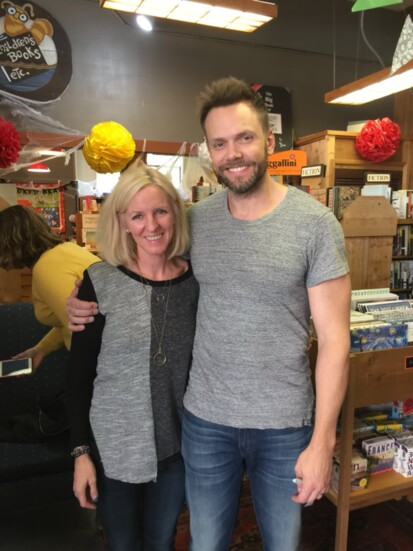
(45, 199)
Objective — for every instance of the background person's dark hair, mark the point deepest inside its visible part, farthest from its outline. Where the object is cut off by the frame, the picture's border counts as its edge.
(24, 237)
(228, 91)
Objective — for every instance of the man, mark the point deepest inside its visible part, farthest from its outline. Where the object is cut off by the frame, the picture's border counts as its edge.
(266, 256)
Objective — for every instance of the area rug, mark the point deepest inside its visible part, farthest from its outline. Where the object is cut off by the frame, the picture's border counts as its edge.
(384, 527)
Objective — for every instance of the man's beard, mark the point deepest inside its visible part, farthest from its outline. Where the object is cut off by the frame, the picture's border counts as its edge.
(247, 186)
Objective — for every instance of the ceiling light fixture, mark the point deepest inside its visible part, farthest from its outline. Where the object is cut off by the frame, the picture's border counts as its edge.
(144, 23)
(38, 167)
(236, 15)
(372, 87)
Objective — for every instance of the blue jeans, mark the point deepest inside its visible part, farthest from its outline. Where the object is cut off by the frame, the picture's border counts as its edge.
(215, 459)
(141, 517)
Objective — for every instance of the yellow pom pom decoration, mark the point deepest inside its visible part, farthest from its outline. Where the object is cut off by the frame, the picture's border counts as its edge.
(109, 147)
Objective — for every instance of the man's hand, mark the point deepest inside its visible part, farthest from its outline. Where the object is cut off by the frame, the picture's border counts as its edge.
(79, 312)
(313, 471)
(34, 353)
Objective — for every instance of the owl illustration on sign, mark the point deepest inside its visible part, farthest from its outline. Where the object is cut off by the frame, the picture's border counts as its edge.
(20, 19)
(28, 55)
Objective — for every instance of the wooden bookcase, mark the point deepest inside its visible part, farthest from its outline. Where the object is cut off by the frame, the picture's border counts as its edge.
(336, 150)
(375, 377)
(369, 224)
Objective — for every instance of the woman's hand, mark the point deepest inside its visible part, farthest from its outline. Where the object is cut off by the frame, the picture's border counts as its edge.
(34, 353)
(84, 482)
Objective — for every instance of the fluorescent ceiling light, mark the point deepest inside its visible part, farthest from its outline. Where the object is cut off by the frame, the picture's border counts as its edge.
(239, 15)
(375, 86)
(38, 167)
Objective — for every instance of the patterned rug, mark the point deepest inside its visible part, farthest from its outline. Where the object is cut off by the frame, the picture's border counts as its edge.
(384, 527)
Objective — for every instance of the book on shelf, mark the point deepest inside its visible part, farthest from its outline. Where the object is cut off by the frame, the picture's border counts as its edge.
(377, 335)
(357, 317)
(378, 294)
(377, 190)
(374, 307)
(359, 470)
(402, 201)
(401, 274)
(379, 451)
(403, 241)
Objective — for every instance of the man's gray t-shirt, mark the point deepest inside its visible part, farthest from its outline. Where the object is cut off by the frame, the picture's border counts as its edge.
(250, 363)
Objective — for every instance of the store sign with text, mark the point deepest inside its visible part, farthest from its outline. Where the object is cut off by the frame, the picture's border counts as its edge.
(35, 53)
(376, 178)
(287, 162)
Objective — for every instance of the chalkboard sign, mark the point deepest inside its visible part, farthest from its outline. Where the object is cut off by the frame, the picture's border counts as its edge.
(278, 103)
(35, 53)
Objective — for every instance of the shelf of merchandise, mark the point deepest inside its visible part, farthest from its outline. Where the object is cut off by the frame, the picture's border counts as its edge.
(403, 222)
(375, 377)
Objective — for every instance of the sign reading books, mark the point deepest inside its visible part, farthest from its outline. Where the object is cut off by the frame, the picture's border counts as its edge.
(35, 53)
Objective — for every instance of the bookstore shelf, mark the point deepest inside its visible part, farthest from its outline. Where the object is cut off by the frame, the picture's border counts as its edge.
(402, 263)
(336, 150)
(375, 377)
(369, 225)
(382, 487)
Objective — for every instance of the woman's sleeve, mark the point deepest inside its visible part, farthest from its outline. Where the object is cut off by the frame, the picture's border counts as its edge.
(81, 372)
(53, 340)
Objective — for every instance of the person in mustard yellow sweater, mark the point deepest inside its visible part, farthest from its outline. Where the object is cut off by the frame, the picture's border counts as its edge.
(28, 242)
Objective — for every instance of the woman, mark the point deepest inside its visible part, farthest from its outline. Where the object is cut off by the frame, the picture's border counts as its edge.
(128, 369)
(28, 242)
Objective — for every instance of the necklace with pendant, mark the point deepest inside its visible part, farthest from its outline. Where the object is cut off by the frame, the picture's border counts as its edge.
(159, 295)
(159, 358)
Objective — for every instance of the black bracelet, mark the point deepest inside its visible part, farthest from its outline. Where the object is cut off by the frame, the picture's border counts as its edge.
(80, 450)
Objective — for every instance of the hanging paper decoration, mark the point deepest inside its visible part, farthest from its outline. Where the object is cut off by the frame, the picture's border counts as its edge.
(378, 140)
(109, 147)
(9, 144)
(404, 49)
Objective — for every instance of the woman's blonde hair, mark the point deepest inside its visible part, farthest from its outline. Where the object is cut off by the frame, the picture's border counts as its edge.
(116, 245)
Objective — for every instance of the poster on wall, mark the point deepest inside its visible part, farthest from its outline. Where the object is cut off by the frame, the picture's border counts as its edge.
(45, 199)
(278, 103)
(35, 53)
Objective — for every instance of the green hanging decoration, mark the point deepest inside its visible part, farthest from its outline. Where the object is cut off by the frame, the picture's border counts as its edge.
(361, 5)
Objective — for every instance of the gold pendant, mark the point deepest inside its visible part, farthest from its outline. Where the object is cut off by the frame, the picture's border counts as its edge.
(159, 359)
